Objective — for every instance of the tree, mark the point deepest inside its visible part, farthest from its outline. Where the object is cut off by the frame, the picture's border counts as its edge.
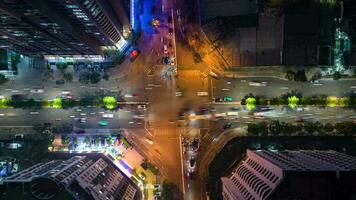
(300, 76)
(68, 77)
(336, 76)
(84, 77)
(345, 128)
(106, 76)
(87, 140)
(66, 140)
(275, 127)
(328, 127)
(75, 140)
(293, 101)
(167, 190)
(97, 141)
(3, 79)
(251, 103)
(317, 75)
(310, 127)
(253, 129)
(64, 128)
(290, 75)
(62, 66)
(110, 102)
(109, 141)
(263, 129)
(94, 77)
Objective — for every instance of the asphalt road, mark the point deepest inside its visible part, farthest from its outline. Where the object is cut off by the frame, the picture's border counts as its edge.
(239, 87)
(125, 118)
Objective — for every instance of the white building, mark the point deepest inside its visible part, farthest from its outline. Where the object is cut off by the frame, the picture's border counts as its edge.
(263, 172)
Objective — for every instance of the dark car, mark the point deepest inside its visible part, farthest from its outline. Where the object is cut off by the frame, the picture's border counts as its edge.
(170, 31)
(166, 60)
(192, 162)
(195, 144)
(79, 131)
(226, 126)
(169, 19)
(60, 82)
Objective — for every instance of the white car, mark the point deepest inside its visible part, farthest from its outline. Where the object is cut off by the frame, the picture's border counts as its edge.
(257, 83)
(108, 115)
(36, 91)
(179, 94)
(34, 113)
(149, 141)
(65, 92)
(165, 49)
(202, 94)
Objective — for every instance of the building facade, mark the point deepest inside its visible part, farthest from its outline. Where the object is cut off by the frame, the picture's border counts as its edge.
(263, 173)
(63, 27)
(82, 177)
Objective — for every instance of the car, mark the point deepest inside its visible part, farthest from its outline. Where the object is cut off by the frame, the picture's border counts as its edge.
(202, 94)
(108, 115)
(178, 12)
(60, 82)
(195, 144)
(258, 83)
(149, 141)
(191, 175)
(232, 113)
(169, 19)
(134, 54)
(36, 90)
(179, 94)
(65, 92)
(79, 131)
(103, 123)
(227, 99)
(202, 110)
(219, 99)
(156, 186)
(172, 61)
(212, 74)
(192, 162)
(18, 97)
(142, 176)
(19, 136)
(235, 108)
(170, 31)
(226, 126)
(165, 60)
(165, 49)
(143, 106)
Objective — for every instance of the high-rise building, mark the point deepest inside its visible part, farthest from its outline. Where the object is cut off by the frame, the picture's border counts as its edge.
(291, 175)
(63, 27)
(82, 177)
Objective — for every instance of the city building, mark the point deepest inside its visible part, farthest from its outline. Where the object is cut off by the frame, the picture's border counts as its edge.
(70, 27)
(80, 176)
(291, 175)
